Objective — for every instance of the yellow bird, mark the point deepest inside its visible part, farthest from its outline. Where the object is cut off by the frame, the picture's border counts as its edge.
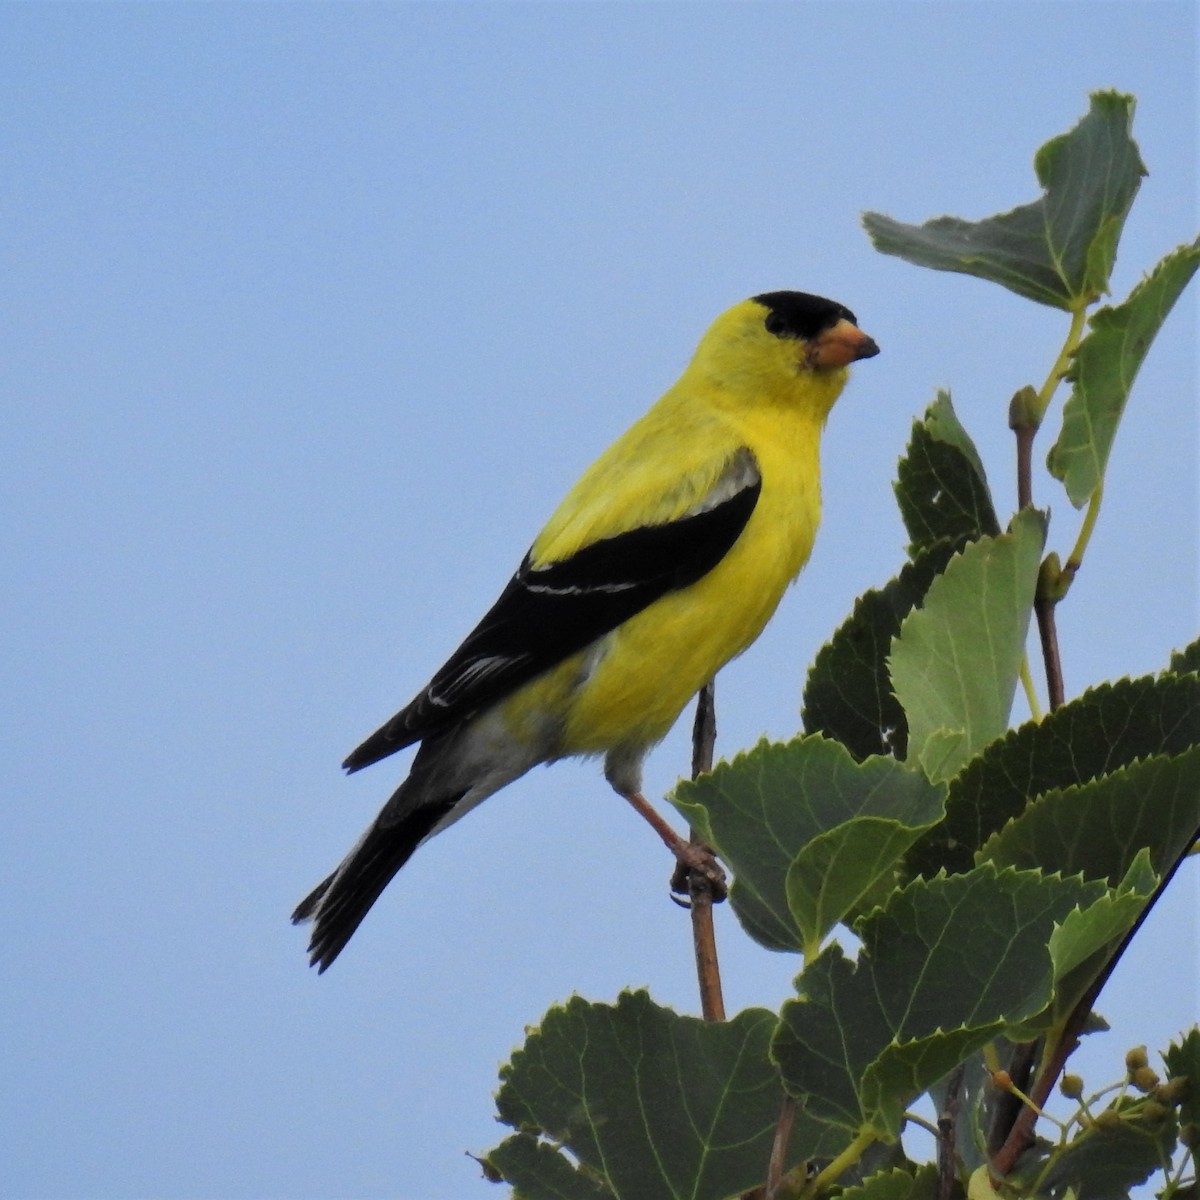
(664, 561)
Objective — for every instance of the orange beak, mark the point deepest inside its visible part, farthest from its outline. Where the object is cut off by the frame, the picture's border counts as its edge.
(840, 345)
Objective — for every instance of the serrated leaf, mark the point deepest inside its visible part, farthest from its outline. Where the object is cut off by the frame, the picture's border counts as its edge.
(1106, 1161)
(1182, 1058)
(1058, 250)
(538, 1171)
(848, 694)
(945, 966)
(653, 1103)
(955, 663)
(1098, 828)
(1081, 946)
(1187, 660)
(1106, 728)
(941, 486)
(1103, 371)
(839, 873)
(783, 815)
(921, 1183)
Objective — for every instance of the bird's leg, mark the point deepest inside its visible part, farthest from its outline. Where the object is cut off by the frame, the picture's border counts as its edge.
(691, 857)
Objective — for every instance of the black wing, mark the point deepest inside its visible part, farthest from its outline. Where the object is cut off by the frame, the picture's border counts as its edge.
(548, 613)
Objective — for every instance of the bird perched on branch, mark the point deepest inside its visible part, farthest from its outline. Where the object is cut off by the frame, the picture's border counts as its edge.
(664, 561)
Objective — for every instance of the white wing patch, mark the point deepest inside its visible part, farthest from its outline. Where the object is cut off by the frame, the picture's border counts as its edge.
(740, 473)
(473, 672)
(548, 589)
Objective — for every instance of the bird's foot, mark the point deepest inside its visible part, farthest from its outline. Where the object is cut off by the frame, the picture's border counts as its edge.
(698, 867)
(696, 871)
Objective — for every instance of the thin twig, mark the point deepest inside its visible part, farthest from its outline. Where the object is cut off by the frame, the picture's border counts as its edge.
(1025, 413)
(704, 730)
(1043, 608)
(947, 1128)
(1012, 1127)
(700, 888)
(1008, 1107)
(1020, 1137)
(783, 1131)
(1024, 418)
(1025, 435)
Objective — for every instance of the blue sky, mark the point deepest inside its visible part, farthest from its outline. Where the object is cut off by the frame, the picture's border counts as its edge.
(312, 312)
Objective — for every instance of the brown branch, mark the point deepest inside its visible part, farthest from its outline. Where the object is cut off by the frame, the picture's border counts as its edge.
(1023, 420)
(1026, 431)
(704, 730)
(1021, 1135)
(699, 886)
(1008, 1106)
(1043, 608)
(1024, 417)
(783, 1131)
(947, 1126)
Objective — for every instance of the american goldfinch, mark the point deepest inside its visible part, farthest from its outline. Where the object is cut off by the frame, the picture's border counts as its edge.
(664, 561)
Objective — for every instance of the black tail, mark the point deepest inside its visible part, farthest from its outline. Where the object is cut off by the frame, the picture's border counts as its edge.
(339, 903)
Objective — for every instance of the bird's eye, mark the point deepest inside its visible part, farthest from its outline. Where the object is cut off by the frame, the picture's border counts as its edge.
(775, 324)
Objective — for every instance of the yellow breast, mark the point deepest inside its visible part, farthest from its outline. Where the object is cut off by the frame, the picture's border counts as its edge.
(629, 689)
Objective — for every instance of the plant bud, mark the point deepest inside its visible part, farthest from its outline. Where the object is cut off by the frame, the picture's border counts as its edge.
(1173, 1091)
(1136, 1059)
(1071, 1086)
(1145, 1079)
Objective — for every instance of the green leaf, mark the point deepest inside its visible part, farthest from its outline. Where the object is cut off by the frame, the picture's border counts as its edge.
(920, 1183)
(1106, 1161)
(1097, 828)
(847, 869)
(1130, 827)
(1187, 660)
(538, 1171)
(848, 695)
(941, 486)
(1183, 1059)
(945, 966)
(807, 832)
(1059, 250)
(1087, 938)
(956, 660)
(1104, 369)
(652, 1103)
(1106, 728)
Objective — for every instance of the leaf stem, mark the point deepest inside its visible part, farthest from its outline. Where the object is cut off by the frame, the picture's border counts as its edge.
(1061, 363)
(700, 890)
(1038, 1111)
(1075, 560)
(912, 1118)
(840, 1165)
(1027, 684)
